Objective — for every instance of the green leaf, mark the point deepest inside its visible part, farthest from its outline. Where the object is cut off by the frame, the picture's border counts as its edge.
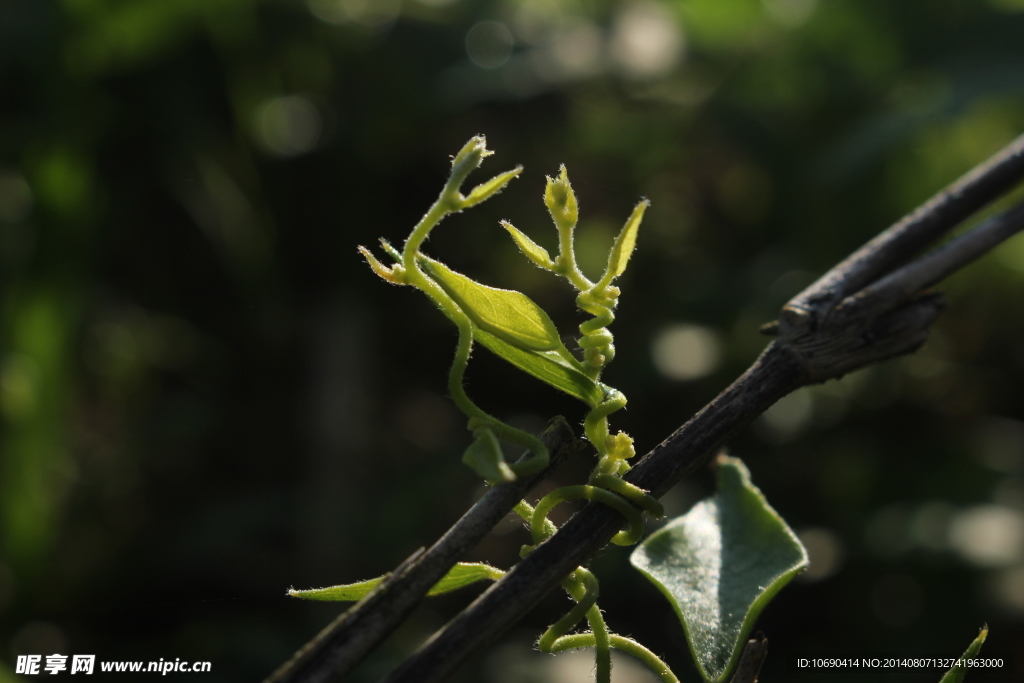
(548, 366)
(624, 244)
(348, 592)
(720, 564)
(956, 674)
(464, 574)
(485, 191)
(511, 316)
(556, 367)
(485, 458)
(461, 575)
(531, 249)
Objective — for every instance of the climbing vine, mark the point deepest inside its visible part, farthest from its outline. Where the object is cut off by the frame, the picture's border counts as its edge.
(683, 559)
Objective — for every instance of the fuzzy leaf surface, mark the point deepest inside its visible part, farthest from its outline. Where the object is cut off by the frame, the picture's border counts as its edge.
(624, 244)
(533, 251)
(509, 315)
(485, 191)
(719, 565)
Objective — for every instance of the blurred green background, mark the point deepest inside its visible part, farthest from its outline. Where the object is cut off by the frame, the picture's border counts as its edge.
(206, 397)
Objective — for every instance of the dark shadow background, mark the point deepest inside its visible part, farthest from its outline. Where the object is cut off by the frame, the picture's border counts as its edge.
(206, 397)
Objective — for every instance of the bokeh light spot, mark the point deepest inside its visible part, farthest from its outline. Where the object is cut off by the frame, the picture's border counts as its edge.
(989, 535)
(826, 551)
(289, 125)
(489, 44)
(647, 40)
(686, 352)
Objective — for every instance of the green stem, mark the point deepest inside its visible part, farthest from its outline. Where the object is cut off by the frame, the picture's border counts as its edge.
(582, 587)
(580, 582)
(527, 511)
(628, 645)
(614, 484)
(567, 261)
(602, 646)
(438, 210)
(651, 660)
(419, 279)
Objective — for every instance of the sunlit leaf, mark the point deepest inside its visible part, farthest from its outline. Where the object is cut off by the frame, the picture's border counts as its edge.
(956, 674)
(485, 458)
(547, 366)
(348, 592)
(720, 564)
(461, 575)
(485, 191)
(506, 314)
(464, 574)
(624, 244)
(531, 249)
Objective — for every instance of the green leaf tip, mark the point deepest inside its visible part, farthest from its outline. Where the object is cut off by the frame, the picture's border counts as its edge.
(956, 674)
(533, 251)
(468, 159)
(473, 152)
(720, 564)
(461, 575)
(624, 244)
(394, 274)
(561, 201)
(485, 191)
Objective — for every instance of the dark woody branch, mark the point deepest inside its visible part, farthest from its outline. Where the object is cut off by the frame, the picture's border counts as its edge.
(912, 234)
(350, 637)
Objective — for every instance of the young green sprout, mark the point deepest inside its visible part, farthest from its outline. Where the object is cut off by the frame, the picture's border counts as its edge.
(515, 328)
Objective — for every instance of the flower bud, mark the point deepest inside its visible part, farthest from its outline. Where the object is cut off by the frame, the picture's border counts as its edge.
(467, 160)
(561, 201)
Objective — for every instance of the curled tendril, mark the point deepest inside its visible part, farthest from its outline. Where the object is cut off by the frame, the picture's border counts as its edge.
(585, 492)
(583, 587)
(605, 485)
(597, 340)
